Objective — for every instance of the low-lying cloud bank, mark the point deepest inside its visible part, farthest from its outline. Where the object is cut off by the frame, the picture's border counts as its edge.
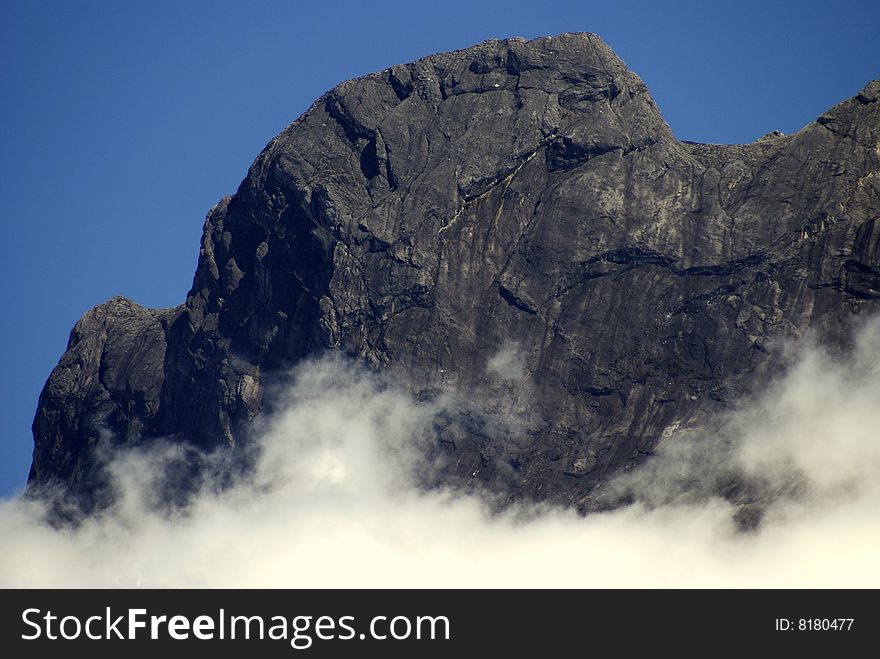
(332, 503)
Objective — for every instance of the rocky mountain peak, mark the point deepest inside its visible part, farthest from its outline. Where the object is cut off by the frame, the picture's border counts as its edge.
(519, 196)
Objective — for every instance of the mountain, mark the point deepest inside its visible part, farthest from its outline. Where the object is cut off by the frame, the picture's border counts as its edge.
(514, 226)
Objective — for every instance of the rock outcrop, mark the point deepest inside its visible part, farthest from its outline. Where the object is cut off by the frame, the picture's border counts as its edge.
(513, 224)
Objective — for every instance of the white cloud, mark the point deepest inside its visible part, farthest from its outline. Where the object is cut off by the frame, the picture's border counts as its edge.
(508, 363)
(331, 504)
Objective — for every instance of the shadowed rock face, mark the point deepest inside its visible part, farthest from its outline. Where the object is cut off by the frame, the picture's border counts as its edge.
(513, 225)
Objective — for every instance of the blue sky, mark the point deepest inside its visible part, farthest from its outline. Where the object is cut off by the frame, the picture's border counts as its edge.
(121, 124)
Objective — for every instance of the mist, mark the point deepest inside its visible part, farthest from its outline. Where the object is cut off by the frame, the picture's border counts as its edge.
(333, 501)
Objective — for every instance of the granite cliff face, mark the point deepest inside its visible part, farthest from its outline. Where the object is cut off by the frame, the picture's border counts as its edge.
(513, 225)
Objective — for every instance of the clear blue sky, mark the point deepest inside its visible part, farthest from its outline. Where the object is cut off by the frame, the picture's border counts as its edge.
(121, 123)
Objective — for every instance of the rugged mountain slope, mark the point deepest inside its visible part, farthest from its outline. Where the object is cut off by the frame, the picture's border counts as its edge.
(513, 224)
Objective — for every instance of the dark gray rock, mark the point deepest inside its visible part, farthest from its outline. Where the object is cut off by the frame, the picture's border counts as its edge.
(524, 195)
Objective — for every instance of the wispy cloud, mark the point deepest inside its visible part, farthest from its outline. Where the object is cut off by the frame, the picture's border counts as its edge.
(332, 501)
